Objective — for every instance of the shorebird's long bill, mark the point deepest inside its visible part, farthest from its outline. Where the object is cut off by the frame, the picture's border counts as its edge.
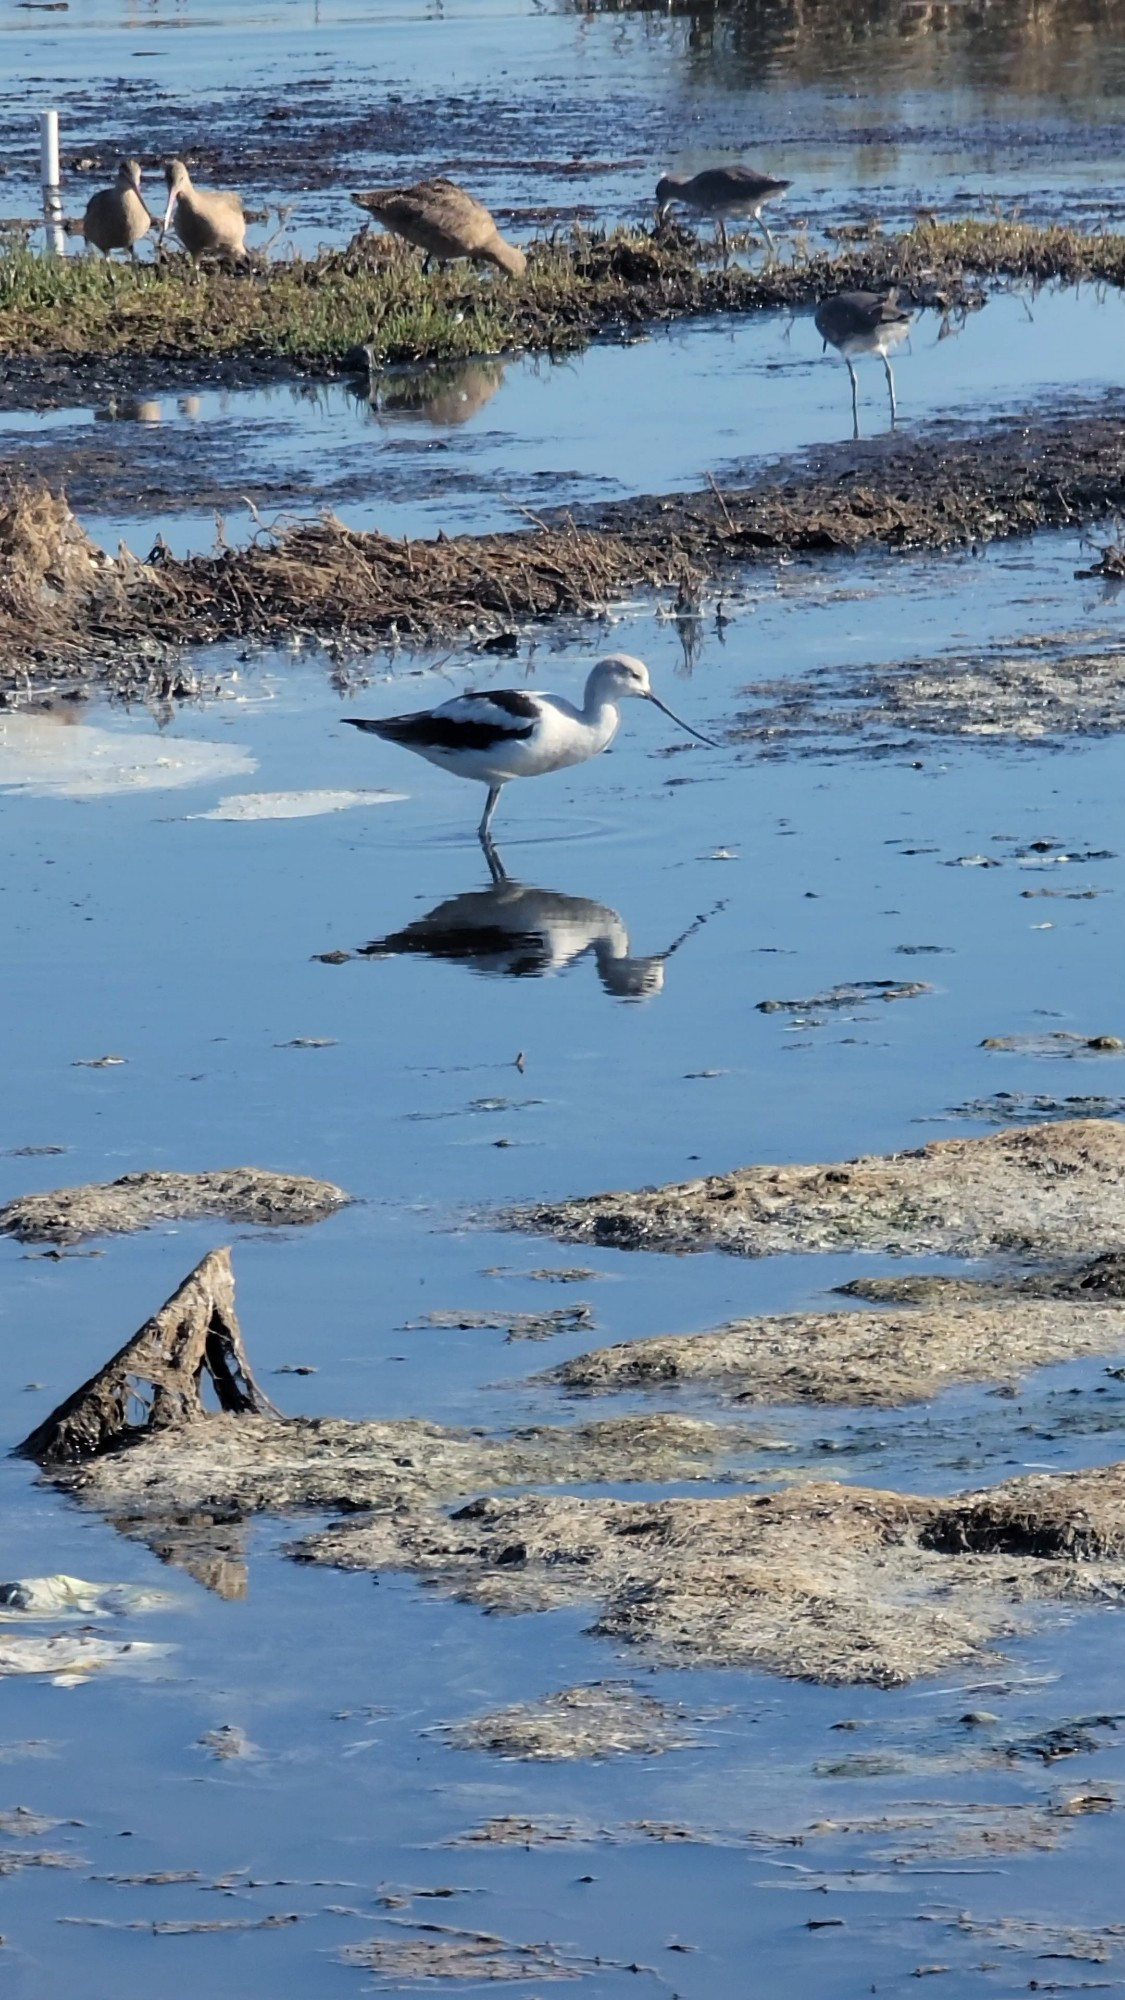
(665, 710)
(167, 222)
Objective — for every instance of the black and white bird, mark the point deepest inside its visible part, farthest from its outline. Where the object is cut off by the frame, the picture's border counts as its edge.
(722, 191)
(864, 323)
(509, 733)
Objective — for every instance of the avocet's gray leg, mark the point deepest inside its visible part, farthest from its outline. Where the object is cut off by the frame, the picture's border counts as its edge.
(721, 220)
(496, 867)
(763, 225)
(489, 809)
(891, 390)
(855, 397)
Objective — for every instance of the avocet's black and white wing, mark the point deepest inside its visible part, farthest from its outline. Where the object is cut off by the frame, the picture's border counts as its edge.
(470, 722)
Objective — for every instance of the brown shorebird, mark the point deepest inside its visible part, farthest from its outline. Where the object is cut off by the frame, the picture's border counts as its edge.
(116, 218)
(445, 222)
(207, 222)
(722, 191)
(864, 323)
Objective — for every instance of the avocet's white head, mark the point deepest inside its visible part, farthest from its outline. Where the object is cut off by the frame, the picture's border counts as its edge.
(619, 675)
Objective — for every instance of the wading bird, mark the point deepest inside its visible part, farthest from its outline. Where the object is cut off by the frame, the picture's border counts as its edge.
(722, 191)
(116, 218)
(864, 323)
(445, 222)
(508, 733)
(208, 222)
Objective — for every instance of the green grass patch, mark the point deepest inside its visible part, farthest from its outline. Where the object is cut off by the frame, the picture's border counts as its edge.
(310, 312)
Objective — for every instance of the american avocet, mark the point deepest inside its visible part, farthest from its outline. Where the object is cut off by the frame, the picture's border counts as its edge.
(722, 191)
(863, 323)
(507, 733)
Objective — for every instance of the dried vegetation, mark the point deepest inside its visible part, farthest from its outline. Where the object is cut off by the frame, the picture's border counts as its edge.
(441, 1953)
(66, 607)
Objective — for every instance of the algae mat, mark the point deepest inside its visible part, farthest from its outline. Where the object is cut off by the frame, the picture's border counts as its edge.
(1032, 1191)
(856, 1358)
(827, 1583)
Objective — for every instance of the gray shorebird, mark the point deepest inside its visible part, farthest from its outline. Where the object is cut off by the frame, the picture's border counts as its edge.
(117, 217)
(208, 221)
(506, 733)
(864, 323)
(445, 221)
(722, 191)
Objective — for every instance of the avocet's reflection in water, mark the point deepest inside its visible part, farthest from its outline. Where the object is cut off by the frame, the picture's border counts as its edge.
(514, 930)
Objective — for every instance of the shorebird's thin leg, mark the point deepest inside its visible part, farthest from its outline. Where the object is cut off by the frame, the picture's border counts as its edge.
(489, 809)
(891, 390)
(763, 225)
(496, 867)
(721, 220)
(855, 397)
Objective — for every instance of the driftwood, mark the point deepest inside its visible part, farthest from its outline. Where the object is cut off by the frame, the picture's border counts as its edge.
(156, 1380)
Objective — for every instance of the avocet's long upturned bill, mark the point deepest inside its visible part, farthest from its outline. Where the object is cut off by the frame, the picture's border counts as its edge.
(508, 733)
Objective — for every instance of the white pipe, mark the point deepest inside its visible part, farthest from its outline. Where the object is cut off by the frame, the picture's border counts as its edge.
(49, 181)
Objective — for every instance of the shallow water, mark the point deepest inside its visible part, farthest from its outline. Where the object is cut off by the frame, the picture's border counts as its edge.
(882, 113)
(184, 945)
(669, 890)
(477, 447)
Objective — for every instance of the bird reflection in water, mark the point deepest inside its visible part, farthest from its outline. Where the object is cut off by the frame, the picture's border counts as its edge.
(442, 395)
(513, 930)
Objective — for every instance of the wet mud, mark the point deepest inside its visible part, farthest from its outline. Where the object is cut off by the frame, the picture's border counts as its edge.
(1043, 1191)
(1006, 1107)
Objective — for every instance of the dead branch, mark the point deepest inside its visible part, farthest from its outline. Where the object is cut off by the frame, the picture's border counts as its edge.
(156, 1379)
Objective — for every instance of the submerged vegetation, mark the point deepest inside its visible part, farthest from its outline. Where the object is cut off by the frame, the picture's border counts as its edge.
(312, 312)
